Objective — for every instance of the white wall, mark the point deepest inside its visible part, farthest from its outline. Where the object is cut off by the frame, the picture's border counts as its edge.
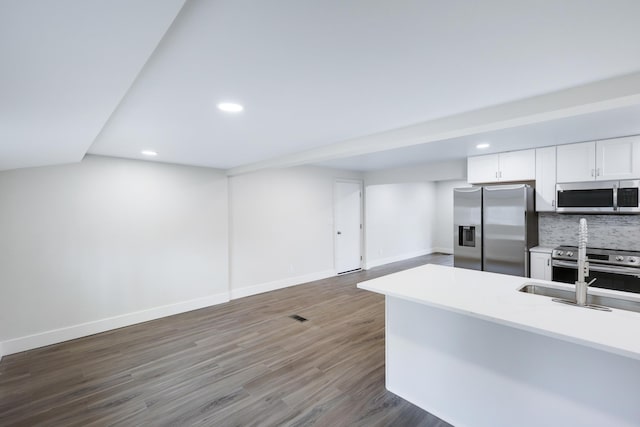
(281, 227)
(110, 242)
(399, 220)
(443, 226)
(105, 243)
(449, 170)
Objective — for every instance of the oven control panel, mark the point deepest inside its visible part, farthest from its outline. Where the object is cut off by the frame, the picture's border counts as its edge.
(599, 256)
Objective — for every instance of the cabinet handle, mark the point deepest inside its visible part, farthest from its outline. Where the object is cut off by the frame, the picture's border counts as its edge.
(496, 174)
(548, 261)
(592, 172)
(553, 203)
(500, 174)
(598, 172)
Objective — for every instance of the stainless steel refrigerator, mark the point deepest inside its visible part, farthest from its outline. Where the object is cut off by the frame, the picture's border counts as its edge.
(494, 228)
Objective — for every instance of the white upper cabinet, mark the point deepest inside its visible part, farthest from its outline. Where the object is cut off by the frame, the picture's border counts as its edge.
(511, 166)
(483, 168)
(610, 159)
(618, 158)
(576, 162)
(546, 179)
(518, 165)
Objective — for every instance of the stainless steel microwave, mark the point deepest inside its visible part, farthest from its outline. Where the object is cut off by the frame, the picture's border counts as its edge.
(598, 197)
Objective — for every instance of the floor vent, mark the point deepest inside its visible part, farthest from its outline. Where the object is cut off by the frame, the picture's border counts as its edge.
(298, 318)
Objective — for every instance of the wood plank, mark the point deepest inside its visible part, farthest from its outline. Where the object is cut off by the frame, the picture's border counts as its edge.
(245, 362)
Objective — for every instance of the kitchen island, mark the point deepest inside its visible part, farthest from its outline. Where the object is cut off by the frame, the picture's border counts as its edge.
(468, 347)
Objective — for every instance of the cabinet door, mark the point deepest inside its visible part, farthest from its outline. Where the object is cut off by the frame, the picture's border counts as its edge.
(576, 162)
(517, 166)
(618, 158)
(547, 267)
(540, 266)
(482, 168)
(546, 179)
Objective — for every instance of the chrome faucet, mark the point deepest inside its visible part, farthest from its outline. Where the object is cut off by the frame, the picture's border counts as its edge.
(583, 264)
(583, 271)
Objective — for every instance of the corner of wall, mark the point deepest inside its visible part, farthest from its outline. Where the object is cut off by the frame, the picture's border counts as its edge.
(443, 250)
(279, 284)
(407, 255)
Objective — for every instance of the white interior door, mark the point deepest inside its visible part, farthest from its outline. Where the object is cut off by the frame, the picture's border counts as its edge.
(348, 229)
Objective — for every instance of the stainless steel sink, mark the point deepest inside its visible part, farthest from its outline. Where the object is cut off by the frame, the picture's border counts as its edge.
(597, 302)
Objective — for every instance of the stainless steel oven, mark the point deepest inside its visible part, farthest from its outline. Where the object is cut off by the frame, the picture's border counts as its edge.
(612, 269)
(598, 197)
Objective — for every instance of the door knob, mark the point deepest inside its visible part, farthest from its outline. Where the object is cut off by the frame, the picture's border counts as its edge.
(339, 232)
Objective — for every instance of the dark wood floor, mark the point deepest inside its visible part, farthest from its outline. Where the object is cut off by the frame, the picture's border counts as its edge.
(242, 363)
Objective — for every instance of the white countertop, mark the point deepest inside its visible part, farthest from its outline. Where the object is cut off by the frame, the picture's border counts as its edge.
(495, 297)
(541, 249)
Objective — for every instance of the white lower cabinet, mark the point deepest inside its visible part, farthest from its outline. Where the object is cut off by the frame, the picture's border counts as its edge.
(540, 263)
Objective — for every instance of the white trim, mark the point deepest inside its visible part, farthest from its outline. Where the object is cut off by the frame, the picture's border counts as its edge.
(279, 284)
(401, 257)
(444, 250)
(55, 336)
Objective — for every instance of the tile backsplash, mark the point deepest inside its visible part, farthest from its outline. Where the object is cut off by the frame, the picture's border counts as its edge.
(605, 231)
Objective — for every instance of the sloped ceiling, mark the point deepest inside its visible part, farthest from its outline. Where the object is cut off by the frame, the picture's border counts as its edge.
(65, 66)
(312, 76)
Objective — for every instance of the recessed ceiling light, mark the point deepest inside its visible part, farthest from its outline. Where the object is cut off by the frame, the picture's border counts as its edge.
(149, 153)
(483, 145)
(230, 107)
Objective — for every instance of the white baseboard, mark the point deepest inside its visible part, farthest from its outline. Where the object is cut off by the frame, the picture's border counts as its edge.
(55, 336)
(444, 250)
(396, 258)
(279, 284)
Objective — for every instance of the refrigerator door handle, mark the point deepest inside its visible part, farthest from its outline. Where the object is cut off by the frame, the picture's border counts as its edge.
(504, 187)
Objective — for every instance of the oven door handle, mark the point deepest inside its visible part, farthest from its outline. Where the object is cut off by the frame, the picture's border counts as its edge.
(627, 271)
(565, 264)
